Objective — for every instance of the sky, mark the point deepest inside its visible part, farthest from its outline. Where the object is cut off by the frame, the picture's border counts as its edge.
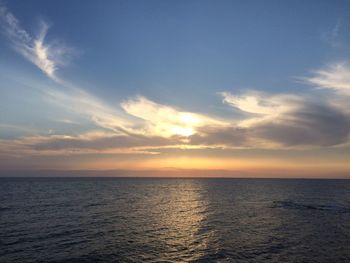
(248, 88)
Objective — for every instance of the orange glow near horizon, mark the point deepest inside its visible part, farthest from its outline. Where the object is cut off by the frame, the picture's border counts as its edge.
(249, 166)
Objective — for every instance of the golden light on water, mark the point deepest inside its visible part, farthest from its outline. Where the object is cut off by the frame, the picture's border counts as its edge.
(182, 228)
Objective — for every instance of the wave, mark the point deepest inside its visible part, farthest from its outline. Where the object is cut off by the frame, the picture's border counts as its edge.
(318, 207)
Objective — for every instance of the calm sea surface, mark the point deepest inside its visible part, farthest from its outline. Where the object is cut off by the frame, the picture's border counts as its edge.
(174, 220)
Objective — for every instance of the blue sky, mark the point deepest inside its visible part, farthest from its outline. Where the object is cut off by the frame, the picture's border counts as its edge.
(229, 75)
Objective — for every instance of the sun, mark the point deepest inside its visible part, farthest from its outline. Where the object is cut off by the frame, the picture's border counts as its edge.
(183, 131)
(186, 124)
(189, 119)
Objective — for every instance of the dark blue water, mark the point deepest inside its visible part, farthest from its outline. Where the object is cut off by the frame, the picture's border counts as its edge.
(174, 220)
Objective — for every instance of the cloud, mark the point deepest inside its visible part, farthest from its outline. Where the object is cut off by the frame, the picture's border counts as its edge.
(101, 141)
(332, 35)
(310, 124)
(262, 104)
(283, 120)
(258, 103)
(259, 107)
(47, 57)
(335, 77)
(78, 101)
(136, 116)
(165, 120)
(221, 137)
(95, 142)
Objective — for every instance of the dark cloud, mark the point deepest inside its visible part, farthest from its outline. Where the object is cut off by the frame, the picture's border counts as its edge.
(309, 125)
(317, 125)
(230, 136)
(101, 143)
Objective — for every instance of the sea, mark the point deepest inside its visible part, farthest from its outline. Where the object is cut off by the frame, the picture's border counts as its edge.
(174, 220)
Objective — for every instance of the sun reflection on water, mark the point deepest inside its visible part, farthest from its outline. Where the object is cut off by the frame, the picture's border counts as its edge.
(180, 216)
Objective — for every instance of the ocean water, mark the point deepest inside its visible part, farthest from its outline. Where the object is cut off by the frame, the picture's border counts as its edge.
(174, 220)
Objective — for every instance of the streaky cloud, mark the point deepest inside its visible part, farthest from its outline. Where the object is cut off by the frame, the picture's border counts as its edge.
(77, 100)
(261, 104)
(47, 57)
(335, 77)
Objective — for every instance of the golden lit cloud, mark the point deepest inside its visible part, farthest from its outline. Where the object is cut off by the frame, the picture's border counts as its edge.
(165, 120)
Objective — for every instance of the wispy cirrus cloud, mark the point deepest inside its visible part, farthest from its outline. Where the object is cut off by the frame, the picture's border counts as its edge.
(261, 104)
(335, 77)
(332, 35)
(87, 106)
(47, 57)
(261, 107)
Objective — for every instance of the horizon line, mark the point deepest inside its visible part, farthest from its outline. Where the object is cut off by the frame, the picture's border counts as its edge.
(172, 173)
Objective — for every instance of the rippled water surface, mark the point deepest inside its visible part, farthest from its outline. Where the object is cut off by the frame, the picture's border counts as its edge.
(174, 220)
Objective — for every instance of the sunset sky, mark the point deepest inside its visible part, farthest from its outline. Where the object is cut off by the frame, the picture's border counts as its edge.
(254, 87)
